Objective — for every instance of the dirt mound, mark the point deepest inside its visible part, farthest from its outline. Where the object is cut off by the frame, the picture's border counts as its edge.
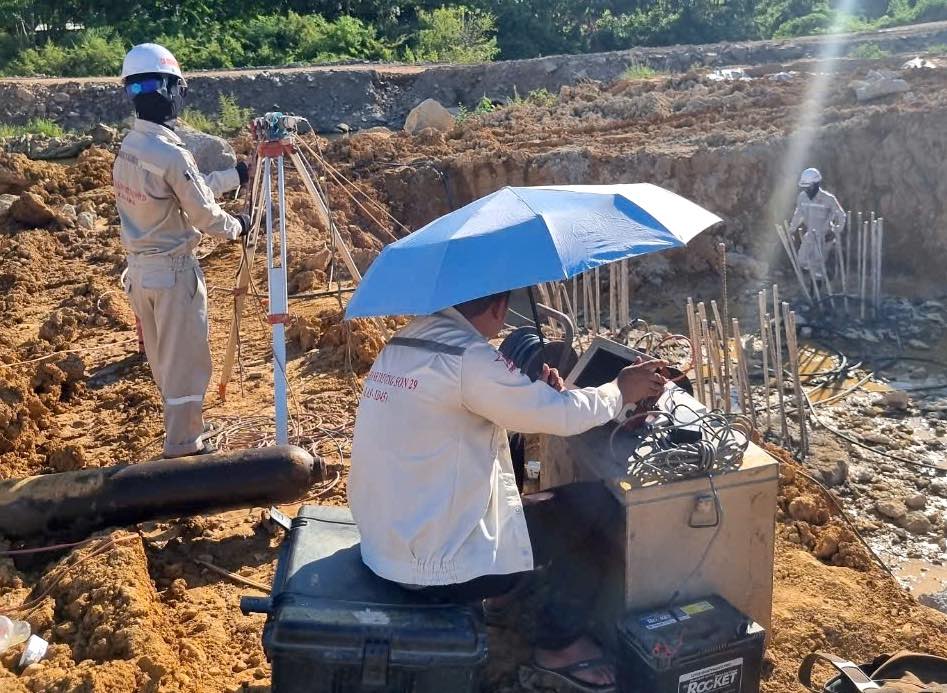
(99, 610)
(808, 519)
(857, 614)
(342, 343)
(18, 173)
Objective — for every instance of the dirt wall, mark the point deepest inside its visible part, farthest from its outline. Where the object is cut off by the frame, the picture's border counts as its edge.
(889, 161)
(364, 96)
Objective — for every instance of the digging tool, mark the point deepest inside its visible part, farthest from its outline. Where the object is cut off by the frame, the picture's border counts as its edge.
(75, 504)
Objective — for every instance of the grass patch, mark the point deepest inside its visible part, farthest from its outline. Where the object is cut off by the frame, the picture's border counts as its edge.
(638, 71)
(35, 126)
(231, 118)
(869, 51)
(537, 97)
(485, 105)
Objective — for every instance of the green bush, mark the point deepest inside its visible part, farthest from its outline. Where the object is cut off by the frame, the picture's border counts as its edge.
(231, 118)
(638, 71)
(455, 35)
(541, 97)
(198, 120)
(36, 126)
(90, 52)
(869, 51)
(485, 105)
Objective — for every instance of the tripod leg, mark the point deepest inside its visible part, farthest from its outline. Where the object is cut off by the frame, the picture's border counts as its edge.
(313, 191)
(259, 189)
(276, 271)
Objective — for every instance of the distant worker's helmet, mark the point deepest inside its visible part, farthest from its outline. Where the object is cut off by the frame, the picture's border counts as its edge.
(810, 176)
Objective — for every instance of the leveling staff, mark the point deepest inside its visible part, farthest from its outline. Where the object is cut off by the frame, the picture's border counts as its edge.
(164, 203)
(432, 485)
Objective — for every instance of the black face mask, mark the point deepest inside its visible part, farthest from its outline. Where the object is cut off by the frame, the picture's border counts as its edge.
(164, 105)
(812, 190)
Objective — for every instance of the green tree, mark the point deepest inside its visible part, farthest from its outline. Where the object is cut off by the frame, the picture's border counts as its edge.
(456, 35)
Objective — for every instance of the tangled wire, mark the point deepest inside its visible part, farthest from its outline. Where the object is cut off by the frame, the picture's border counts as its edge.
(683, 443)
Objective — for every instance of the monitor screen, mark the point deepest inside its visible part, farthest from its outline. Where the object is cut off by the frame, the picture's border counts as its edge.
(602, 367)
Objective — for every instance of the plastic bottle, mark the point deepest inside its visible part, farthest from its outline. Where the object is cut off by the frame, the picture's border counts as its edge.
(12, 632)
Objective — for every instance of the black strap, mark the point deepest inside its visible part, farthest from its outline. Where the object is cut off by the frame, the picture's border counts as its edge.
(849, 670)
(427, 345)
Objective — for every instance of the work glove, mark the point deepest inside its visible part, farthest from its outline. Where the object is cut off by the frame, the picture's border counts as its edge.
(244, 220)
(243, 171)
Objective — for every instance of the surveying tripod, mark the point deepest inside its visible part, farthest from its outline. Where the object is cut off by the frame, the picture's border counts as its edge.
(275, 135)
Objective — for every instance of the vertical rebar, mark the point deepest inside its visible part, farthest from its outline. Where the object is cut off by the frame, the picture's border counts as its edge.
(612, 298)
(778, 349)
(790, 317)
(764, 338)
(708, 343)
(696, 360)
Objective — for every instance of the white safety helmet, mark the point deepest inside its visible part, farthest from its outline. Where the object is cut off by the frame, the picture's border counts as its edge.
(810, 176)
(148, 58)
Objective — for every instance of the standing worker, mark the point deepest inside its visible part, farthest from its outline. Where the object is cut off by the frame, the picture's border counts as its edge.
(824, 219)
(164, 203)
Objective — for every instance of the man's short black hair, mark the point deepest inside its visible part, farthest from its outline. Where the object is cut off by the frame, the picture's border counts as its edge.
(478, 306)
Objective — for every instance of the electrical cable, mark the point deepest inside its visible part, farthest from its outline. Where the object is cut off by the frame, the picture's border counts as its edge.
(672, 447)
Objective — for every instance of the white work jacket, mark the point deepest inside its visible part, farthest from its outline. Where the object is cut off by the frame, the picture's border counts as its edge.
(163, 200)
(819, 215)
(432, 486)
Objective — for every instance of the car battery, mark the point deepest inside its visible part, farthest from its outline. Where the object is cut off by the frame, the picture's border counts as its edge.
(698, 646)
(333, 626)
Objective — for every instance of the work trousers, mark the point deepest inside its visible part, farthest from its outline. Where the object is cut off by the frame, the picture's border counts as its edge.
(169, 298)
(567, 526)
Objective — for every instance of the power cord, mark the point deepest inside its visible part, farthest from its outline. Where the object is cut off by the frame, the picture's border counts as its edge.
(683, 443)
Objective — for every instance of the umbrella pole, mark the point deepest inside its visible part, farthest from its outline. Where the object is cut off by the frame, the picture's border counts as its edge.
(532, 305)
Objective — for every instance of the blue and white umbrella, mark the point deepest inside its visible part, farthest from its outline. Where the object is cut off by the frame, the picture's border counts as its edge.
(518, 237)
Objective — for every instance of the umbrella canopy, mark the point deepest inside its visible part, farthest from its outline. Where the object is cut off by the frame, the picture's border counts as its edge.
(518, 237)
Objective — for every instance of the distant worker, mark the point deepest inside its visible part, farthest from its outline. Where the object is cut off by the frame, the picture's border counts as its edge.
(164, 203)
(432, 484)
(823, 218)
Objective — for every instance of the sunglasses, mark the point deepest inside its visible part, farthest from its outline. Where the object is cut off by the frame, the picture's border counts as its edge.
(150, 86)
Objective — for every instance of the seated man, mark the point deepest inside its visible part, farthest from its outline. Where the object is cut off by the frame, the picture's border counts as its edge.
(432, 485)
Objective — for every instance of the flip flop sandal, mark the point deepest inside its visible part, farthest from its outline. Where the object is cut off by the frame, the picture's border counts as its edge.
(566, 675)
(211, 428)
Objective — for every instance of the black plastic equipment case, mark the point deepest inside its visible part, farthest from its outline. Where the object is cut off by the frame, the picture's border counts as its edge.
(699, 646)
(333, 626)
